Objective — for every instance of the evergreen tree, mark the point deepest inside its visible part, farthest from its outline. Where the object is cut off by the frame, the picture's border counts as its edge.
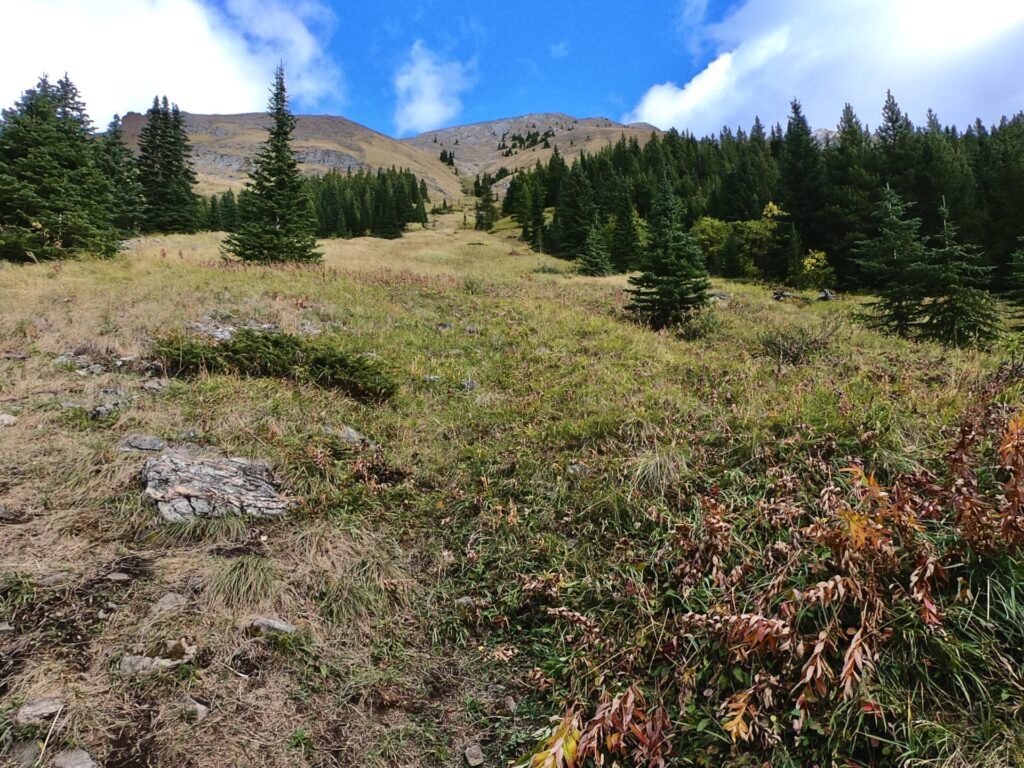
(165, 171)
(228, 211)
(852, 186)
(675, 280)
(802, 178)
(595, 261)
(625, 245)
(1015, 294)
(117, 164)
(54, 200)
(958, 311)
(486, 211)
(574, 214)
(896, 260)
(538, 226)
(279, 224)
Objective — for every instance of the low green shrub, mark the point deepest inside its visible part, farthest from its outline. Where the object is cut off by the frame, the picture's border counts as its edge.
(271, 354)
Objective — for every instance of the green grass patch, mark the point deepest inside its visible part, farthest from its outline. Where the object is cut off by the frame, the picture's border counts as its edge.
(270, 354)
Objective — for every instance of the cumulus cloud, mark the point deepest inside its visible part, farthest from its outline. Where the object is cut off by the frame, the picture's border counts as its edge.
(428, 89)
(962, 59)
(207, 58)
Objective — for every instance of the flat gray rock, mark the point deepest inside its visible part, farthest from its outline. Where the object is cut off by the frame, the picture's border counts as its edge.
(350, 437)
(143, 443)
(73, 758)
(186, 487)
(6, 420)
(267, 626)
(35, 711)
(172, 601)
(196, 712)
(474, 755)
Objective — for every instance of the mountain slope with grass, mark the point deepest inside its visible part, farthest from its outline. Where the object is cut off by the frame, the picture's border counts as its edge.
(223, 144)
(779, 538)
(486, 147)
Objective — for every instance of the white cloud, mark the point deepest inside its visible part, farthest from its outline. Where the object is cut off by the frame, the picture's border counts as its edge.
(428, 90)
(962, 59)
(207, 59)
(559, 50)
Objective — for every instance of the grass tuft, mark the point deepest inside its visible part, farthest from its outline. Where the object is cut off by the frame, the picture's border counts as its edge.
(248, 581)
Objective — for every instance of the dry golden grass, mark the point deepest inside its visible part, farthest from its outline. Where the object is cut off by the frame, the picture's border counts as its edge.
(386, 669)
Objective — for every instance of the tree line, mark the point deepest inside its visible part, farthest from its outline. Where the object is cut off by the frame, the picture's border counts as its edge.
(66, 190)
(824, 189)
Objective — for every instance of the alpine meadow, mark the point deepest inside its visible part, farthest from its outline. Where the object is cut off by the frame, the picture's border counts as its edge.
(534, 442)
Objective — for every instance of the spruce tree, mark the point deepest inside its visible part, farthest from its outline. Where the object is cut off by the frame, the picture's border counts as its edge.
(54, 201)
(279, 224)
(117, 164)
(675, 280)
(802, 178)
(574, 214)
(1015, 284)
(165, 171)
(486, 210)
(958, 311)
(595, 261)
(625, 245)
(896, 262)
(228, 211)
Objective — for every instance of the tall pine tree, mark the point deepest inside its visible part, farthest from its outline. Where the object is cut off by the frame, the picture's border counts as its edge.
(117, 163)
(279, 223)
(958, 311)
(54, 200)
(165, 170)
(896, 261)
(675, 280)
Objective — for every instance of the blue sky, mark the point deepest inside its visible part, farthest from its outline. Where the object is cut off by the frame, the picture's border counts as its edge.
(403, 67)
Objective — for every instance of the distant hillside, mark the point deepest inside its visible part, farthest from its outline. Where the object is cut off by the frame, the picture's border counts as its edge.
(489, 146)
(223, 145)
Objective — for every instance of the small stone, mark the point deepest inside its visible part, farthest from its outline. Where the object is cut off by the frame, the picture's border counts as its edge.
(143, 443)
(118, 577)
(95, 369)
(577, 470)
(269, 626)
(112, 393)
(154, 385)
(474, 755)
(469, 385)
(444, 326)
(6, 420)
(195, 711)
(349, 436)
(511, 705)
(169, 602)
(6, 628)
(35, 711)
(73, 758)
(104, 411)
(56, 579)
(431, 379)
(26, 754)
(473, 329)
(102, 615)
(465, 602)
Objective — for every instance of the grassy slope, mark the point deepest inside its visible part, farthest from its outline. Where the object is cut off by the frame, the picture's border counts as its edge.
(578, 424)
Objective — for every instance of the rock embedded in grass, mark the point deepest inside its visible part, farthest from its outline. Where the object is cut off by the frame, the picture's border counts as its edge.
(36, 711)
(169, 602)
(7, 420)
(144, 443)
(350, 437)
(185, 487)
(267, 626)
(73, 758)
(474, 755)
